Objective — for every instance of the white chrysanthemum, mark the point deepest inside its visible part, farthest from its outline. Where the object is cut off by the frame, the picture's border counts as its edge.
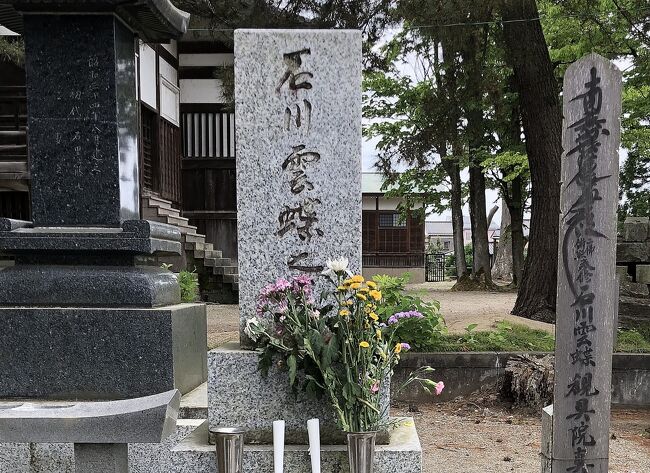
(336, 266)
(252, 328)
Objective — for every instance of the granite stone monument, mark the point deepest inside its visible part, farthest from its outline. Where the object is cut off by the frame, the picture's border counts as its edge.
(587, 295)
(81, 318)
(298, 109)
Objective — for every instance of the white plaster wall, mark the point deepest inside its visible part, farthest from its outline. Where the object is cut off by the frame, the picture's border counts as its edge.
(201, 91)
(168, 72)
(172, 47)
(368, 203)
(148, 75)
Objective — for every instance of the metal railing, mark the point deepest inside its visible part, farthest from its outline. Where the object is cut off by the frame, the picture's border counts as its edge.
(393, 260)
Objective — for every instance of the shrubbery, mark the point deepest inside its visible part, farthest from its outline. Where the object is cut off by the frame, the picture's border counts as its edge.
(420, 332)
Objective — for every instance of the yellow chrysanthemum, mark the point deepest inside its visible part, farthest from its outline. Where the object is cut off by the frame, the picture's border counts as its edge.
(347, 282)
(355, 285)
(364, 344)
(371, 284)
(362, 297)
(341, 288)
(373, 316)
(398, 348)
(357, 278)
(344, 312)
(364, 289)
(376, 295)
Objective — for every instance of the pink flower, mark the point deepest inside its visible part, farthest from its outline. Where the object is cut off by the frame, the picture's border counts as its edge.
(375, 387)
(281, 284)
(439, 387)
(303, 280)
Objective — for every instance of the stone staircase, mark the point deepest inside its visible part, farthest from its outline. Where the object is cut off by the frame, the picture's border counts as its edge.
(218, 276)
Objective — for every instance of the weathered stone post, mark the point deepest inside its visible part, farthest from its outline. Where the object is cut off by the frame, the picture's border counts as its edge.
(587, 292)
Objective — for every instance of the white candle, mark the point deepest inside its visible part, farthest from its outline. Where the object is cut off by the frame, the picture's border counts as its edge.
(278, 446)
(313, 430)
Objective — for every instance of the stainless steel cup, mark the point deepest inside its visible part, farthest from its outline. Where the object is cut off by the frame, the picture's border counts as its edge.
(230, 449)
(361, 451)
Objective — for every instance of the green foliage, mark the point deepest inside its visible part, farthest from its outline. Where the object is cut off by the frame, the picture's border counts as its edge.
(512, 164)
(188, 283)
(419, 333)
(505, 337)
(635, 340)
(189, 286)
(618, 30)
(450, 262)
(12, 49)
(341, 349)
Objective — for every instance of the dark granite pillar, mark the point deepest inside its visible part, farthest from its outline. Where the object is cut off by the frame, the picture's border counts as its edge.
(81, 318)
(83, 131)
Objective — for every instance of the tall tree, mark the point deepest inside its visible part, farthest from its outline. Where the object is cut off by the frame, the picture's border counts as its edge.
(419, 125)
(542, 124)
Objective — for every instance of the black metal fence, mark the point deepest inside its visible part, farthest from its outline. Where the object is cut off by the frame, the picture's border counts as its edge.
(435, 267)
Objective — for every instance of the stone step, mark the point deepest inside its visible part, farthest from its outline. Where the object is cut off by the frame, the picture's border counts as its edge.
(403, 454)
(231, 278)
(186, 229)
(194, 238)
(194, 405)
(213, 254)
(167, 212)
(200, 254)
(225, 270)
(199, 246)
(151, 213)
(216, 261)
(178, 221)
(154, 201)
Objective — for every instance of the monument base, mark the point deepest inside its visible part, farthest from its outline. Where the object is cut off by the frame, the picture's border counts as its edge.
(403, 454)
(101, 353)
(239, 396)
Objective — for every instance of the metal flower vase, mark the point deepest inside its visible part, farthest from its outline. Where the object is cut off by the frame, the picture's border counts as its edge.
(230, 450)
(361, 451)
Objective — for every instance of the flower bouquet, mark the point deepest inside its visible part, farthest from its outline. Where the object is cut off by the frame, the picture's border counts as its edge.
(337, 340)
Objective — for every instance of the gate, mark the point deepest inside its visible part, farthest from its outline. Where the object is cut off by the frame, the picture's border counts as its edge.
(435, 267)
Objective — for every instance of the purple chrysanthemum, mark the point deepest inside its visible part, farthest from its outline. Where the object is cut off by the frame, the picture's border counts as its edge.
(411, 314)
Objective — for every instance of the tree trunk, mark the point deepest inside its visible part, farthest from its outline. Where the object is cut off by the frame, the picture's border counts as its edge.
(479, 222)
(542, 123)
(502, 267)
(475, 131)
(456, 200)
(516, 211)
(528, 380)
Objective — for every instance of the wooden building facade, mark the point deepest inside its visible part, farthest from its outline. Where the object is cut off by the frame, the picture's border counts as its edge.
(391, 244)
(208, 151)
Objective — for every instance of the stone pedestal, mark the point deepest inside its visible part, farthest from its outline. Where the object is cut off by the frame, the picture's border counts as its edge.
(82, 318)
(239, 396)
(101, 353)
(402, 454)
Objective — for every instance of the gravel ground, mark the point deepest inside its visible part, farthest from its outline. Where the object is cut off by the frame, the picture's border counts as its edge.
(468, 437)
(461, 309)
(480, 435)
